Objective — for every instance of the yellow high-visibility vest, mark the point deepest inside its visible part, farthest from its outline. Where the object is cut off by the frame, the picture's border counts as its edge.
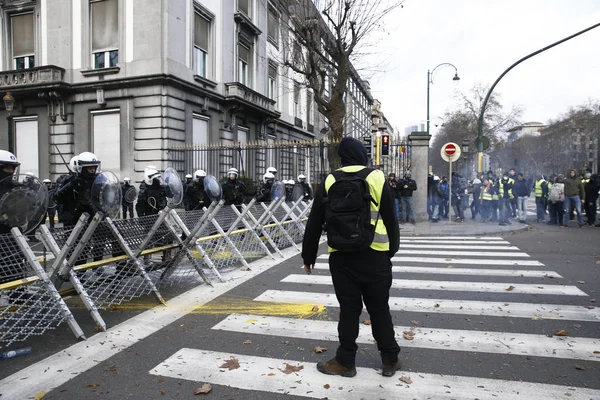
(376, 180)
(538, 187)
(485, 194)
(510, 193)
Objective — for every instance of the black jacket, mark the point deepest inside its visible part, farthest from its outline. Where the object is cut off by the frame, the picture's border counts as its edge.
(151, 199)
(195, 197)
(352, 152)
(233, 192)
(521, 188)
(75, 198)
(263, 194)
(591, 192)
(411, 187)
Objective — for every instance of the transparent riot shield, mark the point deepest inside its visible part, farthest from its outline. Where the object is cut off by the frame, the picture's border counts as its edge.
(130, 195)
(106, 194)
(23, 202)
(302, 192)
(175, 187)
(277, 190)
(212, 188)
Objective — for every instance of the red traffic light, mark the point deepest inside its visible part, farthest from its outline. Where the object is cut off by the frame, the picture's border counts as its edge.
(385, 139)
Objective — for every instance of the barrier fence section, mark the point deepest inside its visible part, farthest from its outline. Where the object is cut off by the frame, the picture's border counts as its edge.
(108, 262)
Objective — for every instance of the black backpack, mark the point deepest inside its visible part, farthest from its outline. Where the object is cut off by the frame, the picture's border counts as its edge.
(348, 211)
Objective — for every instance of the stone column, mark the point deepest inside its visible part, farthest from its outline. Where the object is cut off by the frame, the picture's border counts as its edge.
(419, 168)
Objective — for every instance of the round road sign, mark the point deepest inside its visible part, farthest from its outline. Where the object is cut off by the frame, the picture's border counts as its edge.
(450, 152)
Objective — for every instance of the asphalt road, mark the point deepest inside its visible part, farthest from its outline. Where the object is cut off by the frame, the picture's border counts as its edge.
(476, 318)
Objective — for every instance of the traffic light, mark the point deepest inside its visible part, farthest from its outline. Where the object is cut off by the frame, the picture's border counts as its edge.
(385, 145)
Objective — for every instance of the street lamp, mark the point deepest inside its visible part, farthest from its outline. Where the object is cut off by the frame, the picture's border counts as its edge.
(9, 104)
(430, 82)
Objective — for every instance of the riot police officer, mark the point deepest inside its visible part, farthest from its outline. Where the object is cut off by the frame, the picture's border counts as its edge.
(263, 193)
(195, 197)
(8, 165)
(308, 193)
(233, 189)
(126, 201)
(153, 193)
(75, 195)
(289, 189)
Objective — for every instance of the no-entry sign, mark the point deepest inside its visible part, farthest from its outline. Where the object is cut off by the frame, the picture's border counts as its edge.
(450, 152)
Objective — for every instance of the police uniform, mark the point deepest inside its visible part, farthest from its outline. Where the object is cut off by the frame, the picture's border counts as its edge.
(263, 194)
(233, 192)
(196, 197)
(151, 199)
(359, 276)
(125, 205)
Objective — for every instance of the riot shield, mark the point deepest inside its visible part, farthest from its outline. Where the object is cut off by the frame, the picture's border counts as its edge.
(22, 203)
(106, 194)
(130, 195)
(302, 192)
(277, 190)
(175, 187)
(212, 188)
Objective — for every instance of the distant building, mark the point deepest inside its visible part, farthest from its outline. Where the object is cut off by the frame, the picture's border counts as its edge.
(527, 129)
(414, 128)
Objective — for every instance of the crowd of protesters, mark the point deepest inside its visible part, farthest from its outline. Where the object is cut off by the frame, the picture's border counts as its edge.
(504, 199)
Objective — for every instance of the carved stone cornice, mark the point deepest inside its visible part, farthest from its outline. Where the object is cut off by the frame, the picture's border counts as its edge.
(43, 75)
(236, 93)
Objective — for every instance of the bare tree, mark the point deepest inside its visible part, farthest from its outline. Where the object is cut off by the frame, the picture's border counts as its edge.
(325, 37)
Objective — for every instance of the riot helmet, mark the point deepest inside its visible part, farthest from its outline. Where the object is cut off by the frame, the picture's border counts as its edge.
(47, 182)
(127, 180)
(302, 178)
(232, 174)
(268, 179)
(152, 175)
(199, 176)
(89, 165)
(8, 164)
(272, 170)
(73, 165)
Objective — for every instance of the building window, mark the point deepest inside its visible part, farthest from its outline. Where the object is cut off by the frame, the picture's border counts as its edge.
(273, 27)
(104, 17)
(27, 144)
(106, 138)
(245, 6)
(326, 88)
(23, 42)
(201, 44)
(297, 55)
(296, 99)
(272, 82)
(244, 63)
(309, 108)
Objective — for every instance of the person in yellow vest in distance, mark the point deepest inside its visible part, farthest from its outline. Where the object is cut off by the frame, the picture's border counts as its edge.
(541, 197)
(362, 234)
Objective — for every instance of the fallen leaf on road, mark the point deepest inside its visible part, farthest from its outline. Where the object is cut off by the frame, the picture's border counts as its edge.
(568, 262)
(597, 352)
(326, 386)
(590, 307)
(408, 335)
(271, 374)
(577, 326)
(162, 392)
(204, 389)
(415, 323)
(598, 262)
(436, 305)
(315, 308)
(291, 368)
(592, 300)
(286, 342)
(562, 332)
(39, 395)
(581, 282)
(580, 367)
(406, 379)
(248, 342)
(231, 364)
(319, 349)
(510, 288)
(537, 318)
(367, 322)
(93, 385)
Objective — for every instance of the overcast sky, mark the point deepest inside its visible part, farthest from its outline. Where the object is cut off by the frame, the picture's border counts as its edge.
(482, 38)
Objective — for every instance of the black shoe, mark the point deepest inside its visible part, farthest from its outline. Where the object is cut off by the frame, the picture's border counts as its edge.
(333, 367)
(390, 370)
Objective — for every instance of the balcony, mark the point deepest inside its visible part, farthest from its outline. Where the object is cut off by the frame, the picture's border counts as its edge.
(239, 94)
(47, 75)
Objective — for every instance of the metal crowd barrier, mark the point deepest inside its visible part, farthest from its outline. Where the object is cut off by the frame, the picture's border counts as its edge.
(108, 262)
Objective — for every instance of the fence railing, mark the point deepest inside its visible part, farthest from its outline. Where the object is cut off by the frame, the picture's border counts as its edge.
(108, 262)
(291, 159)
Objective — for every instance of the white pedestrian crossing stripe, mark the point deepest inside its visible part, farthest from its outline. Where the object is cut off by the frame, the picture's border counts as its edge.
(490, 287)
(457, 237)
(453, 247)
(467, 271)
(445, 306)
(450, 260)
(498, 243)
(426, 338)
(267, 374)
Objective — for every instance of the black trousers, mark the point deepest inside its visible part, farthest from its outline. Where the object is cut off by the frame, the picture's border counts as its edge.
(357, 277)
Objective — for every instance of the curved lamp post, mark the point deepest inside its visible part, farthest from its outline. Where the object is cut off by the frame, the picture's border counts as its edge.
(430, 81)
(487, 97)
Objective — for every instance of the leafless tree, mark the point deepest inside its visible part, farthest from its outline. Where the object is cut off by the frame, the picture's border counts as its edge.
(325, 38)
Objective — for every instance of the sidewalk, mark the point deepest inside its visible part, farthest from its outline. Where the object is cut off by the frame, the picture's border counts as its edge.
(469, 227)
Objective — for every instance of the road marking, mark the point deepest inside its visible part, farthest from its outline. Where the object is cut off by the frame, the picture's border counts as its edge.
(476, 261)
(462, 253)
(444, 306)
(454, 247)
(266, 374)
(467, 271)
(500, 243)
(488, 287)
(61, 367)
(454, 238)
(425, 338)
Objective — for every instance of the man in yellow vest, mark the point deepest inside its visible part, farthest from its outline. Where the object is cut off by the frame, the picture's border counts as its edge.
(360, 273)
(541, 197)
